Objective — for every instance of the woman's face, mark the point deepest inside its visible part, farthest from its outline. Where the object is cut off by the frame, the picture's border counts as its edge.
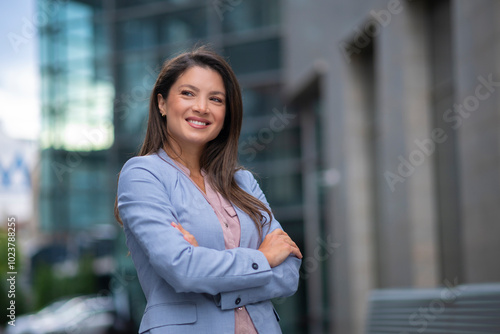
(195, 107)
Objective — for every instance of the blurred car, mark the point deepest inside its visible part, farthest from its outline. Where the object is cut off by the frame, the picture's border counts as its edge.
(78, 315)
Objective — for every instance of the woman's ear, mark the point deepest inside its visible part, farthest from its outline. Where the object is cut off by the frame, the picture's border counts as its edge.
(162, 105)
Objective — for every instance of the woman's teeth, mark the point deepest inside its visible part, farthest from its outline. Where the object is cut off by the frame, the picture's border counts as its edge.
(197, 122)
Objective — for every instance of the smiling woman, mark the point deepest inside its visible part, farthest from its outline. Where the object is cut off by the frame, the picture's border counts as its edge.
(209, 254)
(195, 109)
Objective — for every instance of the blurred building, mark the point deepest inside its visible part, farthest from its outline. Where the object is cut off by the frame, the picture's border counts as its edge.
(373, 126)
(409, 118)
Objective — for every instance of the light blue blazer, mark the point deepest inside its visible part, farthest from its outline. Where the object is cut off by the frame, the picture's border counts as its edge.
(196, 289)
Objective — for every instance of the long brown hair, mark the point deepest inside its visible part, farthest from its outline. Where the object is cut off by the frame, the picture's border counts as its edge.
(220, 156)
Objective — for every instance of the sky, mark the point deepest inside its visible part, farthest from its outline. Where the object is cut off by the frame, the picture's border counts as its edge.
(19, 74)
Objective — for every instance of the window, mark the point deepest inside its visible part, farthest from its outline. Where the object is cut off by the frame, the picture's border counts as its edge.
(240, 16)
(184, 25)
(137, 34)
(256, 56)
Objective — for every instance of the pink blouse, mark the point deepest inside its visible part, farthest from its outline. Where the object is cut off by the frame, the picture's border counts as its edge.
(231, 231)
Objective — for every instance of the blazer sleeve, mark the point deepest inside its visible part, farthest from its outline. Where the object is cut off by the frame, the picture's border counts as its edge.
(146, 212)
(285, 277)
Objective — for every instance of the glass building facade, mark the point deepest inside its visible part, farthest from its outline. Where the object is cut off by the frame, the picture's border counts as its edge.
(99, 61)
(77, 114)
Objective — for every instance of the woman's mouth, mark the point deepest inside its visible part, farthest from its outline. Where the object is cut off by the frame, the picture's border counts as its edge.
(197, 122)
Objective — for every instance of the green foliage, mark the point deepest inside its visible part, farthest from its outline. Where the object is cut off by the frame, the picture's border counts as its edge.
(48, 286)
(42, 286)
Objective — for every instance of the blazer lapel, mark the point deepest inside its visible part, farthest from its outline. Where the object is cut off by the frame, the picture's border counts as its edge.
(249, 237)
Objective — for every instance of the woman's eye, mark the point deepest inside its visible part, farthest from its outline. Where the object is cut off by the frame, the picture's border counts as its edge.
(217, 99)
(187, 93)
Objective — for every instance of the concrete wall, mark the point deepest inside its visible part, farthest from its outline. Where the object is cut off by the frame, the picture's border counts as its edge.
(381, 65)
(477, 59)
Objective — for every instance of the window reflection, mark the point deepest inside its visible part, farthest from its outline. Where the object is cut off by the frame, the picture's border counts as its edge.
(132, 3)
(136, 76)
(77, 92)
(249, 15)
(137, 34)
(260, 101)
(256, 56)
(184, 25)
(284, 189)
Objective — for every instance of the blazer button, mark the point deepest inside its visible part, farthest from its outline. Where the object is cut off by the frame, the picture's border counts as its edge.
(237, 301)
(255, 266)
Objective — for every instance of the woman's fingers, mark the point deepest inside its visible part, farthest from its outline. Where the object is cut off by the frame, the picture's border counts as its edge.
(187, 236)
(295, 249)
(277, 246)
(179, 227)
(191, 239)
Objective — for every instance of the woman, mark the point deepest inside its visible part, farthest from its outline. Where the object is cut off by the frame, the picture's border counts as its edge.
(208, 252)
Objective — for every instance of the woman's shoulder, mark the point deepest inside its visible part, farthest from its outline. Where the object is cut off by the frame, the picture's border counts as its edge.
(242, 173)
(145, 161)
(247, 181)
(152, 163)
(244, 177)
(150, 169)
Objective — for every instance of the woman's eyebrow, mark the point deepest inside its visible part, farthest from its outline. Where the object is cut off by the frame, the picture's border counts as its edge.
(190, 87)
(196, 89)
(218, 92)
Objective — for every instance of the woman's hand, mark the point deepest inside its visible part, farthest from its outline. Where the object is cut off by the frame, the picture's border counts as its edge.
(277, 246)
(187, 236)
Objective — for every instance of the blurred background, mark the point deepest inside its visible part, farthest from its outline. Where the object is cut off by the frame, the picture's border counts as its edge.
(374, 127)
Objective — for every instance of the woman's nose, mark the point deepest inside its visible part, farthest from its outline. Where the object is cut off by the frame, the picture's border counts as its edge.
(201, 106)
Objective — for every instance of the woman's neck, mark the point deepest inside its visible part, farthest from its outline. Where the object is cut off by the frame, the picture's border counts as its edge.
(189, 157)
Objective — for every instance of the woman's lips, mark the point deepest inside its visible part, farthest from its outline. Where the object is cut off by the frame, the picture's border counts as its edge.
(197, 123)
